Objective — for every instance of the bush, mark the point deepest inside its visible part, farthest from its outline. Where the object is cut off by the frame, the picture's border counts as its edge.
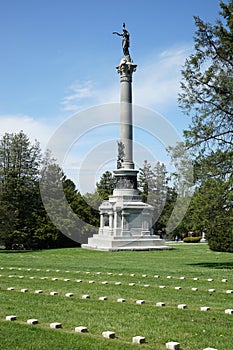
(192, 239)
(221, 239)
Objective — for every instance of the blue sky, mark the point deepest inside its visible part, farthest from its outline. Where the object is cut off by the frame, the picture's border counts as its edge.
(59, 57)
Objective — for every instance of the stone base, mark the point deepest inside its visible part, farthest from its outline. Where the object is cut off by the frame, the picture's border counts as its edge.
(116, 244)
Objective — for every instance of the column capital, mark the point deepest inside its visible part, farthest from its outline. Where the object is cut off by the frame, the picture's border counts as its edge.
(126, 68)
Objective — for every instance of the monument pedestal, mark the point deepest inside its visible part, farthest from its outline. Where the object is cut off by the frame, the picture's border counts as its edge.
(125, 221)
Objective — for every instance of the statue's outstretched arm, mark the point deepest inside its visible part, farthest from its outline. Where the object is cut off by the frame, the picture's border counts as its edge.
(117, 33)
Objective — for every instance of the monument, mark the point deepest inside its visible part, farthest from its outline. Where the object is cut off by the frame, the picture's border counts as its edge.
(125, 220)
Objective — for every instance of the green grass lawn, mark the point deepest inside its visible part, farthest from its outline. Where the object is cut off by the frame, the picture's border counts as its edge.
(192, 328)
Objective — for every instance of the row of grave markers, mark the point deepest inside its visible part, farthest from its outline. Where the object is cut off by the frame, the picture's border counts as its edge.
(120, 300)
(106, 334)
(111, 273)
(211, 290)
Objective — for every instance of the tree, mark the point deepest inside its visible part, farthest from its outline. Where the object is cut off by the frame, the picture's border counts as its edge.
(207, 84)
(105, 186)
(152, 183)
(19, 171)
(207, 96)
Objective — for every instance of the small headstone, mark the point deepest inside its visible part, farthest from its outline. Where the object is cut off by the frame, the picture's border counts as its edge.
(140, 301)
(162, 287)
(224, 280)
(229, 291)
(104, 282)
(53, 293)
(85, 296)
(156, 276)
(172, 345)
(178, 288)
(117, 283)
(88, 272)
(66, 279)
(194, 289)
(195, 278)
(79, 281)
(57, 270)
(229, 311)
(48, 270)
(98, 273)
(210, 279)
(121, 300)
(103, 298)
(69, 294)
(132, 274)
(109, 273)
(204, 308)
(32, 321)
(108, 334)
(169, 277)
(21, 277)
(210, 349)
(10, 318)
(211, 290)
(55, 325)
(44, 278)
(81, 329)
(131, 284)
(138, 340)
(38, 291)
(160, 303)
(182, 278)
(146, 285)
(31, 278)
(182, 306)
(10, 276)
(10, 288)
(54, 279)
(24, 290)
(120, 274)
(144, 275)
(91, 282)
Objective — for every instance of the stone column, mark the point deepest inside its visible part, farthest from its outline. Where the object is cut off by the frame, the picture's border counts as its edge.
(111, 220)
(126, 69)
(101, 220)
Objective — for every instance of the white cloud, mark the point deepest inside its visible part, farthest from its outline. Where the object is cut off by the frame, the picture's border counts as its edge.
(77, 94)
(158, 79)
(34, 129)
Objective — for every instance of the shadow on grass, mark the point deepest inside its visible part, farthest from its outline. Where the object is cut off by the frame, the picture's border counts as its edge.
(3, 251)
(215, 265)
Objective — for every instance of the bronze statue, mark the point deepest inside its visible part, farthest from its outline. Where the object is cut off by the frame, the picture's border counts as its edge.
(125, 40)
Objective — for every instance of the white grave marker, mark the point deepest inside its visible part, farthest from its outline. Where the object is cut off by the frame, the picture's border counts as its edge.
(138, 340)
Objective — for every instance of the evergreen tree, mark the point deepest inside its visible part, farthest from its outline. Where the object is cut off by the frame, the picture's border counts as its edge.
(105, 186)
(19, 171)
(153, 186)
(207, 96)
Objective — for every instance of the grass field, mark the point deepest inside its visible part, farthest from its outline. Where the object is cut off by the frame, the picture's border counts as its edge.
(62, 270)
